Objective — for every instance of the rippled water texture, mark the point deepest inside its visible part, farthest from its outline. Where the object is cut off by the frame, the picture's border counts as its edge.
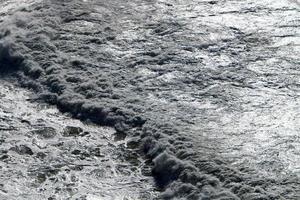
(208, 89)
(45, 154)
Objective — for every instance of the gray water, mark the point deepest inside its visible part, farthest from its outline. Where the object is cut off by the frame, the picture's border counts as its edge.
(208, 89)
(47, 155)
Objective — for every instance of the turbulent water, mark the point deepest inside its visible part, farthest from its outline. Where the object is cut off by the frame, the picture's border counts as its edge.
(208, 90)
(47, 155)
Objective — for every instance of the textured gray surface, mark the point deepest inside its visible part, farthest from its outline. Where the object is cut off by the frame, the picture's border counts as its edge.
(213, 84)
(40, 159)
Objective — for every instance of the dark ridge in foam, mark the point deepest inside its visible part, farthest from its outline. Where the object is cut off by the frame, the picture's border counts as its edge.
(9, 60)
(93, 84)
